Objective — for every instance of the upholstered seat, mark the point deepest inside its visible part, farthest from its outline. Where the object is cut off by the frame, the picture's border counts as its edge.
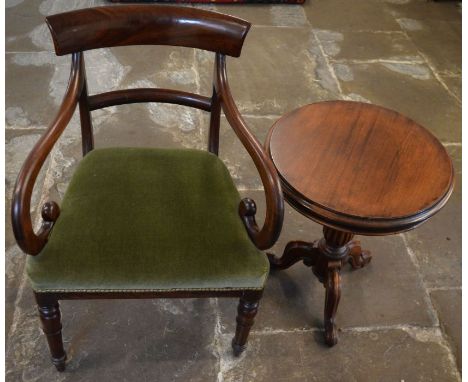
(149, 220)
(147, 223)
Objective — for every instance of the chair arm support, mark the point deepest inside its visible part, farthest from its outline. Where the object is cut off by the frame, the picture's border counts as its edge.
(27, 239)
(266, 236)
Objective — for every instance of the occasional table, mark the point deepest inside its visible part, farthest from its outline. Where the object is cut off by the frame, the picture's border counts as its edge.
(354, 168)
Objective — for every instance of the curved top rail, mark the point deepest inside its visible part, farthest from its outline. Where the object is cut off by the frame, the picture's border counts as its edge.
(102, 27)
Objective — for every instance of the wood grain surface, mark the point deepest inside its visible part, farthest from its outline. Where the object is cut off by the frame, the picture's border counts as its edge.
(360, 160)
(101, 27)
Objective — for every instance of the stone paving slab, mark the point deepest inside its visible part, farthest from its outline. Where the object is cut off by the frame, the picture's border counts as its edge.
(368, 46)
(454, 84)
(436, 244)
(28, 76)
(386, 355)
(155, 66)
(266, 81)
(448, 305)
(434, 34)
(399, 317)
(410, 89)
(388, 292)
(236, 157)
(124, 340)
(26, 30)
(342, 15)
(422, 10)
(18, 143)
(169, 126)
(278, 15)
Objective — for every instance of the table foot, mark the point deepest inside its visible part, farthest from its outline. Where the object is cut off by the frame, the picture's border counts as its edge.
(326, 257)
(293, 252)
(358, 258)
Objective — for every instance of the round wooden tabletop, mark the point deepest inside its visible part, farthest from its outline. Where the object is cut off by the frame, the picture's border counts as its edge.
(360, 167)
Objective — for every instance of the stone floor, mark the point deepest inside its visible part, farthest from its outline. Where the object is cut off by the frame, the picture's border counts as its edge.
(399, 319)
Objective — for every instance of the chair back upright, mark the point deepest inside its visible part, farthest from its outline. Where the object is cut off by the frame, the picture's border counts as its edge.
(103, 27)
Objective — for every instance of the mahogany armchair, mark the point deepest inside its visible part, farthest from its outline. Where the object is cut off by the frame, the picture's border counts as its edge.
(146, 223)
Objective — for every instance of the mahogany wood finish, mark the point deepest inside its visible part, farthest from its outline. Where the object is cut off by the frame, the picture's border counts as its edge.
(127, 96)
(49, 313)
(326, 257)
(213, 138)
(293, 252)
(87, 137)
(265, 237)
(358, 257)
(104, 27)
(27, 239)
(356, 169)
(360, 167)
(246, 312)
(77, 31)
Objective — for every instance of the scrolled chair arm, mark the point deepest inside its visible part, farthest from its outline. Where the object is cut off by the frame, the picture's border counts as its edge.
(29, 241)
(265, 237)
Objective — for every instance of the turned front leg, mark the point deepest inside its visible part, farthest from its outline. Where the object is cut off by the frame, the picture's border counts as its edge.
(49, 313)
(246, 311)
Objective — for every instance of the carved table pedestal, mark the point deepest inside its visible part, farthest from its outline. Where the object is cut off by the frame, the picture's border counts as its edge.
(354, 168)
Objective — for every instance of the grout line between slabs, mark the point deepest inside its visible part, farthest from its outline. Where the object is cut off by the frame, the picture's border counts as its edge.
(378, 61)
(415, 262)
(435, 73)
(435, 289)
(433, 312)
(25, 128)
(218, 353)
(31, 52)
(350, 329)
(418, 333)
(328, 64)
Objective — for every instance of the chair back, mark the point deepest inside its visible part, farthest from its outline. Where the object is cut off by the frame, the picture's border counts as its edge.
(110, 26)
(103, 27)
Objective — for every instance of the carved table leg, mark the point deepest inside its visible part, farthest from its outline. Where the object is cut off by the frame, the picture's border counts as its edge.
(49, 314)
(332, 298)
(246, 311)
(358, 258)
(293, 252)
(326, 257)
(334, 249)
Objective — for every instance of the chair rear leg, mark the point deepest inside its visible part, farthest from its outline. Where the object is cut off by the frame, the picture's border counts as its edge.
(49, 314)
(246, 311)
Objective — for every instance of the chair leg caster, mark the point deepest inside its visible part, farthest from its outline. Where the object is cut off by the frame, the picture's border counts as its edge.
(59, 363)
(237, 349)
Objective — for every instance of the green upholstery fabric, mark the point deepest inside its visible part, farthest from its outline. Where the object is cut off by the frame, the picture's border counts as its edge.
(149, 220)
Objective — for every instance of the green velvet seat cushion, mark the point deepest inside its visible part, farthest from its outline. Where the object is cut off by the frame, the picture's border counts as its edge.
(137, 219)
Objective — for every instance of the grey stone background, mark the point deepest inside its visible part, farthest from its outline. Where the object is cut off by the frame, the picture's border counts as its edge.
(400, 318)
